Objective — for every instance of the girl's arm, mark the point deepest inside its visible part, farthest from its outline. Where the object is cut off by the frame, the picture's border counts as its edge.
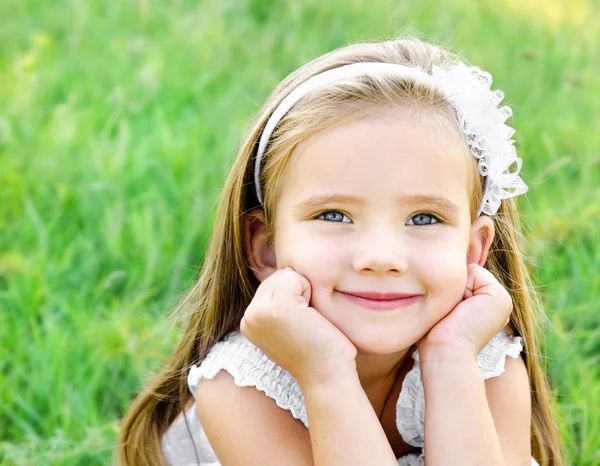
(472, 422)
(245, 427)
(344, 429)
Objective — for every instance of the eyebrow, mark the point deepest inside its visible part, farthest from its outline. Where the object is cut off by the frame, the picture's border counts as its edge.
(321, 199)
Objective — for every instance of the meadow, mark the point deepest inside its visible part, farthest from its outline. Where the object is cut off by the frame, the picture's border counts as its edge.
(118, 124)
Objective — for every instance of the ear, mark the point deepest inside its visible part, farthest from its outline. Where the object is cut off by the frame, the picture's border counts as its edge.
(480, 240)
(260, 255)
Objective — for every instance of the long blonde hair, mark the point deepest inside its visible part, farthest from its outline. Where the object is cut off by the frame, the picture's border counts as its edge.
(218, 299)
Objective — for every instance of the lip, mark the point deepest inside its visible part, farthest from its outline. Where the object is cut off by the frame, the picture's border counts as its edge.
(380, 301)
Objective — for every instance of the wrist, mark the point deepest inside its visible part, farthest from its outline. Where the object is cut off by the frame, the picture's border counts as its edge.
(440, 357)
(444, 373)
(329, 383)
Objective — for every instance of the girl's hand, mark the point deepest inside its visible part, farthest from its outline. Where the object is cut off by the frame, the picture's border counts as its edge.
(484, 311)
(296, 336)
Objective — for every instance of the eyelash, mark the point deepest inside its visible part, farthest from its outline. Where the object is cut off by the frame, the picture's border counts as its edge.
(435, 217)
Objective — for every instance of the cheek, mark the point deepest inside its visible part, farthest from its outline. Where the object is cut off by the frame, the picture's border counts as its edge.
(446, 277)
(314, 257)
(448, 266)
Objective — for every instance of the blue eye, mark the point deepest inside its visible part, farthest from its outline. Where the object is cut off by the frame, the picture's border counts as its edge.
(423, 219)
(333, 216)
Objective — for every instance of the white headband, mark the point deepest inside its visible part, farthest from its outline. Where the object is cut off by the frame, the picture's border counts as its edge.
(468, 90)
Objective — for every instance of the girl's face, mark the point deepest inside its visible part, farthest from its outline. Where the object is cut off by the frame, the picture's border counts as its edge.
(378, 205)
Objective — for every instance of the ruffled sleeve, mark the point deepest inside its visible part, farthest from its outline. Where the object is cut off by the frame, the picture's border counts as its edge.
(492, 357)
(410, 408)
(250, 366)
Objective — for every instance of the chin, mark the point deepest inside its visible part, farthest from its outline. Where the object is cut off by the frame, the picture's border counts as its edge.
(376, 341)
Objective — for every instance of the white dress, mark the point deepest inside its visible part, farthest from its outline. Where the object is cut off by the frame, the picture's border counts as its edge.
(249, 366)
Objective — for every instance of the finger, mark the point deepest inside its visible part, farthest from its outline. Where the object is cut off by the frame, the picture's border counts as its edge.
(306, 287)
(289, 285)
(267, 288)
(480, 281)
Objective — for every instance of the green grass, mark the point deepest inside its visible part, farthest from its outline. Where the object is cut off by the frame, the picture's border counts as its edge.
(118, 123)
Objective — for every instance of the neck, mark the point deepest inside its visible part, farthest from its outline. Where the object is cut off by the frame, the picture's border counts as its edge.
(378, 373)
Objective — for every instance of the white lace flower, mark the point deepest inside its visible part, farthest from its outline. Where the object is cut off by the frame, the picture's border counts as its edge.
(482, 121)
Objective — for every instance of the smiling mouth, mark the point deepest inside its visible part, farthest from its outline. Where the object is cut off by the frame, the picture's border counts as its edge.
(381, 302)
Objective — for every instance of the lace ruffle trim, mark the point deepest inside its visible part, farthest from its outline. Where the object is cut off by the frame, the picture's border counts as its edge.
(250, 366)
(411, 460)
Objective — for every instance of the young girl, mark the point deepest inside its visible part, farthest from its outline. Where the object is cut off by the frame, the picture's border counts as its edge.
(364, 279)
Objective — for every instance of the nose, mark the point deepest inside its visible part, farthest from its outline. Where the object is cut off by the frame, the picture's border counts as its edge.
(381, 251)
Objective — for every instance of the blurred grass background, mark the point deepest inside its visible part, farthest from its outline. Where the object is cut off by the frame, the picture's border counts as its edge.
(118, 123)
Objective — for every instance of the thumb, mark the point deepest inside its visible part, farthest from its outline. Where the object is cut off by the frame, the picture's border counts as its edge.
(306, 289)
